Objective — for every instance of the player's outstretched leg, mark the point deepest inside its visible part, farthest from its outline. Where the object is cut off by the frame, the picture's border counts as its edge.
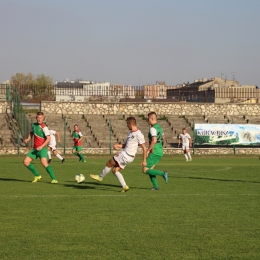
(60, 157)
(156, 172)
(122, 181)
(49, 156)
(100, 177)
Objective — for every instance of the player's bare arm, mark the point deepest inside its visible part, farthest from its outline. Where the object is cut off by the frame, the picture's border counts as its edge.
(29, 137)
(80, 139)
(179, 142)
(144, 154)
(118, 146)
(58, 136)
(151, 145)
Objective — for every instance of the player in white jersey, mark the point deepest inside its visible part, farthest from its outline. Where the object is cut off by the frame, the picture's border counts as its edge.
(127, 155)
(52, 146)
(186, 140)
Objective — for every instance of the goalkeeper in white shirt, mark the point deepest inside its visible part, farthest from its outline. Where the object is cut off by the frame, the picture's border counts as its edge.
(127, 155)
(186, 140)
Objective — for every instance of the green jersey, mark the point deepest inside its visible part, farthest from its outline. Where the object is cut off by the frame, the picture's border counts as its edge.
(157, 131)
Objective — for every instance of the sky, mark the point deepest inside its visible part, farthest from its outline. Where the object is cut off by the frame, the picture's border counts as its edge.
(131, 42)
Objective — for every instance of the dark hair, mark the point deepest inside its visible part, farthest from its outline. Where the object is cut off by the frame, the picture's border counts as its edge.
(183, 128)
(75, 125)
(131, 119)
(152, 113)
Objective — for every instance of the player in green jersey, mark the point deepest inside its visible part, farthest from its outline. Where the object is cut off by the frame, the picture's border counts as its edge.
(41, 135)
(155, 151)
(77, 148)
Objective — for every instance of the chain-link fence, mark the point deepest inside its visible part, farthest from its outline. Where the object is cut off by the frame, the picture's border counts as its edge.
(20, 117)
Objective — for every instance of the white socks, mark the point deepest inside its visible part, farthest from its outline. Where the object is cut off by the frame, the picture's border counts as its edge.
(187, 156)
(49, 154)
(120, 179)
(59, 156)
(104, 172)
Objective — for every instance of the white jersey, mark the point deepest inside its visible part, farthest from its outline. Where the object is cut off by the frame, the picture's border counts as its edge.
(53, 139)
(133, 140)
(185, 139)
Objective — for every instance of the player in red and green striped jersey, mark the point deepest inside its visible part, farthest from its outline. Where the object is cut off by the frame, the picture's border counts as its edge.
(41, 135)
(77, 148)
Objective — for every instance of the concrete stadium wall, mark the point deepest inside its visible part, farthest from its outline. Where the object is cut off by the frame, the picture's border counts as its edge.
(144, 108)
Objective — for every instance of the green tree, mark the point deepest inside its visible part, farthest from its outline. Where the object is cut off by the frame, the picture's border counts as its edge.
(43, 80)
(28, 86)
(44, 87)
(18, 79)
(30, 79)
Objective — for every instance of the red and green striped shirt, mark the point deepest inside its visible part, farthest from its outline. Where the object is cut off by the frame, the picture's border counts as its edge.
(40, 132)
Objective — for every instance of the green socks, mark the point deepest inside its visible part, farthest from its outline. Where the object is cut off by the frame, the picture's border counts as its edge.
(81, 157)
(154, 181)
(33, 170)
(154, 172)
(77, 154)
(50, 171)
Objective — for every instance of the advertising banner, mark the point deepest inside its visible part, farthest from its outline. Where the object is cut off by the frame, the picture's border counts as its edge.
(226, 134)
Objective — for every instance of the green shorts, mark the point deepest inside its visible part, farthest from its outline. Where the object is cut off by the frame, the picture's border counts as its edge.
(77, 148)
(152, 160)
(34, 154)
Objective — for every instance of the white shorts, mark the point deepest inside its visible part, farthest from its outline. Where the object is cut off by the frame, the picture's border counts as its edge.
(52, 146)
(123, 159)
(185, 147)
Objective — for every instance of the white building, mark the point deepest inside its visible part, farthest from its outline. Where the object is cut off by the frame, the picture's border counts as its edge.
(80, 91)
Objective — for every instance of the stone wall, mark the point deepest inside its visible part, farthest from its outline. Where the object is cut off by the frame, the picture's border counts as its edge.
(168, 151)
(144, 108)
(5, 107)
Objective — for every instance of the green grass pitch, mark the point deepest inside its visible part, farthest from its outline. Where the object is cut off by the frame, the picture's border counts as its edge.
(210, 209)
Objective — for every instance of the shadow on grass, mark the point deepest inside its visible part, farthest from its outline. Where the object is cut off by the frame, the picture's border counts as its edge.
(78, 186)
(85, 185)
(101, 186)
(215, 179)
(9, 179)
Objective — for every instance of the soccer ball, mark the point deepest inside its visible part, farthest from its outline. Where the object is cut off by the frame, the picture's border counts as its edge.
(79, 178)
